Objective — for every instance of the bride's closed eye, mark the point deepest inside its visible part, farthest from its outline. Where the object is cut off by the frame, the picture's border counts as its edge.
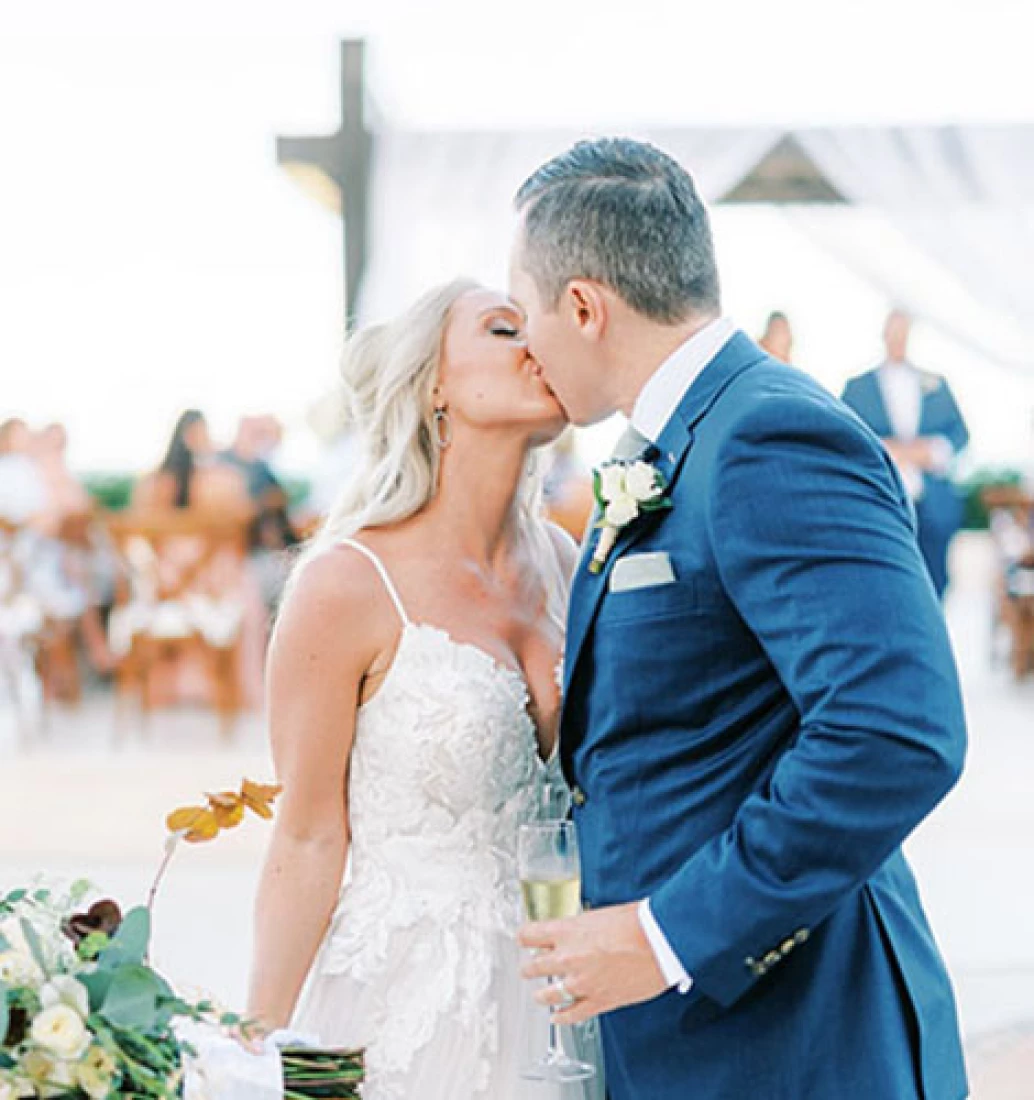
(500, 328)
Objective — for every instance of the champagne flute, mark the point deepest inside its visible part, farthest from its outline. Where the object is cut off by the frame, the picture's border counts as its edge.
(551, 884)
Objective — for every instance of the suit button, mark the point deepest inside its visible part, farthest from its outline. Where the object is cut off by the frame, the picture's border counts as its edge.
(578, 797)
(801, 936)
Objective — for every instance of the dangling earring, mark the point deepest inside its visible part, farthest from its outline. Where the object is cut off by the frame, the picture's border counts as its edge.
(442, 428)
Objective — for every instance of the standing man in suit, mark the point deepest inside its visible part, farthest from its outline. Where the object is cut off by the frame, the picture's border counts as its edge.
(760, 697)
(915, 414)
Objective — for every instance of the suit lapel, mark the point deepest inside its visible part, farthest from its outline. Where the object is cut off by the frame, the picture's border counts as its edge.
(881, 424)
(674, 444)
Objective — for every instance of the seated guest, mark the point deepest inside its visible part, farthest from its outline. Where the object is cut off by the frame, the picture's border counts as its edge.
(65, 495)
(23, 491)
(777, 339)
(225, 599)
(61, 567)
(271, 533)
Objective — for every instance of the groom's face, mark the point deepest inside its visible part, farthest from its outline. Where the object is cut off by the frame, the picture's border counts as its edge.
(566, 346)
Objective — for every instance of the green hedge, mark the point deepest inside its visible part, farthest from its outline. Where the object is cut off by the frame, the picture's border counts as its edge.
(113, 492)
(974, 513)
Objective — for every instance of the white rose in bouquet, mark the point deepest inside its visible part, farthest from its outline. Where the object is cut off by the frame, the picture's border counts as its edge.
(14, 1088)
(19, 968)
(60, 1031)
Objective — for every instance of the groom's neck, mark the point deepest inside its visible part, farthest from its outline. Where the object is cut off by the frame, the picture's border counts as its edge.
(641, 347)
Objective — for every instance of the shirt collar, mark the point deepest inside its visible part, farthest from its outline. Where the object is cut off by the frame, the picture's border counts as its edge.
(664, 390)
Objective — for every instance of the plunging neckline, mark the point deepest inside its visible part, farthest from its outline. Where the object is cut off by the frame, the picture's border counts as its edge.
(513, 675)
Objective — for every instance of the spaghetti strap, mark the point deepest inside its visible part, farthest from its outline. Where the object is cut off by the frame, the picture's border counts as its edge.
(376, 562)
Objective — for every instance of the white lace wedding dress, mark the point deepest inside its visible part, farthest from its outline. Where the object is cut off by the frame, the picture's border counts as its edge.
(420, 964)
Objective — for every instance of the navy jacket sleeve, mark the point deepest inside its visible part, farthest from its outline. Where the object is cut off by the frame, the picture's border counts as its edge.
(956, 433)
(814, 547)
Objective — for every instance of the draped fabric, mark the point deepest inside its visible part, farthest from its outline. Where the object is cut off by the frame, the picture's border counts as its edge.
(963, 196)
(442, 203)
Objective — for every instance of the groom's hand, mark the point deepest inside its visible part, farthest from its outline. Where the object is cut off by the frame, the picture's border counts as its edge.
(603, 958)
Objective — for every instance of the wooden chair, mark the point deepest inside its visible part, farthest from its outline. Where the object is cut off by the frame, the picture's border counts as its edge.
(169, 600)
(1011, 511)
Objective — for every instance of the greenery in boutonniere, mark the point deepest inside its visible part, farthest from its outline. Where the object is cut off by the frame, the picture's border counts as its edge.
(624, 491)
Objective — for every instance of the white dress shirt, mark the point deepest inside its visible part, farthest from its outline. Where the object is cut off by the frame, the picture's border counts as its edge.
(664, 391)
(901, 386)
(656, 405)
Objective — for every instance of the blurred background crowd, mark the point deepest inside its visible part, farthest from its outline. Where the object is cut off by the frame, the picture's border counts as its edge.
(165, 584)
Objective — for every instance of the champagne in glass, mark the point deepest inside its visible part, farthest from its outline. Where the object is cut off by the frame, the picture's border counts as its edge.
(551, 885)
(552, 898)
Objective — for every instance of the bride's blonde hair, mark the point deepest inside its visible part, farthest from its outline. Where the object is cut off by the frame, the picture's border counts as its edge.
(390, 372)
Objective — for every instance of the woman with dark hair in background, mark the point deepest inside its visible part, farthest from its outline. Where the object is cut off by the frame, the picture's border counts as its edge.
(189, 438)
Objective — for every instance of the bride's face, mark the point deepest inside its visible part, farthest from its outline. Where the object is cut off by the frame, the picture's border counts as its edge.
(488, 378)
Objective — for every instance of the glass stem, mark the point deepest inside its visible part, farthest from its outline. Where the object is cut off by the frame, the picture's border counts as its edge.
(556, 1051)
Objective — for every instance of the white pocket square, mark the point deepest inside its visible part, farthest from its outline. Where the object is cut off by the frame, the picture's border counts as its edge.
(641, 571)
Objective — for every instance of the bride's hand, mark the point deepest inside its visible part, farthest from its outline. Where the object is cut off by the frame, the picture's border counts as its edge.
(250, 1034)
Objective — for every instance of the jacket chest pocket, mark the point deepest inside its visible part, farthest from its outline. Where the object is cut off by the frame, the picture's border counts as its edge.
(687, 597)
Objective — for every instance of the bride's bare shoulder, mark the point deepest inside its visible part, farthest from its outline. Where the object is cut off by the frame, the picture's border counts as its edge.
(336, 594)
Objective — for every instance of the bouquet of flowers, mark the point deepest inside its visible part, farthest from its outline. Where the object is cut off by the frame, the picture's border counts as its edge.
(83, 1014)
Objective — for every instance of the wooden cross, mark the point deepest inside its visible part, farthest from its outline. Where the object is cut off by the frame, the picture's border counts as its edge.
(336, 169)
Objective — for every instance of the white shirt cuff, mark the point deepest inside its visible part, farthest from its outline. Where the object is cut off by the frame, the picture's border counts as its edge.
(942, 453)
(674, 972)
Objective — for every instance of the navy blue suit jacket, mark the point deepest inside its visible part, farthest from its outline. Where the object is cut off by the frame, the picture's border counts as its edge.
(751, 744)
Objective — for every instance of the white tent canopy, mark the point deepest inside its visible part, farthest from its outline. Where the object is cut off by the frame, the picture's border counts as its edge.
(961, 195)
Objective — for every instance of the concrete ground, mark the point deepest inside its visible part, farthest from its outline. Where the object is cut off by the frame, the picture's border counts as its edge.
(89, 796)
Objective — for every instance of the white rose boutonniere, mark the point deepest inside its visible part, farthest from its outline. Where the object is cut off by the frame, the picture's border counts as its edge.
(624, 491)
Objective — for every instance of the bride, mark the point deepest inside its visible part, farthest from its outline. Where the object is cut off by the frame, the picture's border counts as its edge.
(414, 714)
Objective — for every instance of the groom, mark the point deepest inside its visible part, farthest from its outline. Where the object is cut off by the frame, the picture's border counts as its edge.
(761, 700)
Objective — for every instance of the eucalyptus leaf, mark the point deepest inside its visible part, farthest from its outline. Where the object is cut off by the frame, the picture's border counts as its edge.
(79, 889)
(132, 999)
(35, 947)
(129, 944)
(5, 1013)
(97, 985)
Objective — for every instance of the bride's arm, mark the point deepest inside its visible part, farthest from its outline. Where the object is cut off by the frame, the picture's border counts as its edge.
(316, 666)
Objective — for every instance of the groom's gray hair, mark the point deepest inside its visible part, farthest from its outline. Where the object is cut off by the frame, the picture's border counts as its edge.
(625, 214)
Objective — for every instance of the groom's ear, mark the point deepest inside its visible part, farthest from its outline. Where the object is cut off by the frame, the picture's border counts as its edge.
(587, 307)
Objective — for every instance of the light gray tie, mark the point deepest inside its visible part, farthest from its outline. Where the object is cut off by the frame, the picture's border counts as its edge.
(631, 444)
